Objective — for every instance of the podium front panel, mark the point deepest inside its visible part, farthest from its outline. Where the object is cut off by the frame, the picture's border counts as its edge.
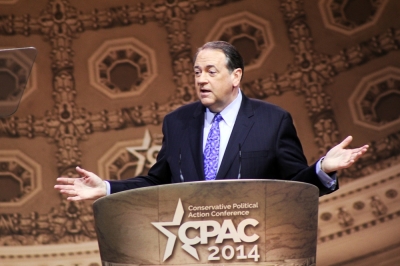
(236, 222)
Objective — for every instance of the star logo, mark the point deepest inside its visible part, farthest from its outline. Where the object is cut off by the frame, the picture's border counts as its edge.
(144, 153)
(171, 237)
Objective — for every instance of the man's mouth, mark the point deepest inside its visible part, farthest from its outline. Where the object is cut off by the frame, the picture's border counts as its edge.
(204, 91)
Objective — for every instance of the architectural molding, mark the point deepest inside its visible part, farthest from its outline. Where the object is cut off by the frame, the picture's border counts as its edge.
(367, 210)
(367, 94)
(335, 17)
(71, 222)
(361, 204)
(127, 56)
(245, 26)
(24, 171)
(82, 254)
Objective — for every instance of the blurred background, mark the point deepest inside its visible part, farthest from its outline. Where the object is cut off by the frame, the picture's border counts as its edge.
(107, 72)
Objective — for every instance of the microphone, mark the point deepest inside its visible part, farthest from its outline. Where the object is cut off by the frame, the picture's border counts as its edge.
(240, 161)
(180, 169)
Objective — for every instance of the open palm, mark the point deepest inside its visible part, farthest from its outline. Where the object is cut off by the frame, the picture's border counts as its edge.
(89, 186)
(339, 157)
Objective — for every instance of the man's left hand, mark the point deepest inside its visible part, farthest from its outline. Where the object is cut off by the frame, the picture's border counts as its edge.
(339, 157)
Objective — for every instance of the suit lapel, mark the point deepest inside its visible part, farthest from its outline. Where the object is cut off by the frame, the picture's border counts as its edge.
(195, 131)
(242, 126)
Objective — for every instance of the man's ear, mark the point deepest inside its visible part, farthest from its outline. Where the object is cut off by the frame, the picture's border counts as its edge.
(236, 76)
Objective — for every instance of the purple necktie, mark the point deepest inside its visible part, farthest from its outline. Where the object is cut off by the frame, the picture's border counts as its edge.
(211, 151)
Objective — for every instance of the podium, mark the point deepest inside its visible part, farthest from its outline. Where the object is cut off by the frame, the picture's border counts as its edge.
(235, 222)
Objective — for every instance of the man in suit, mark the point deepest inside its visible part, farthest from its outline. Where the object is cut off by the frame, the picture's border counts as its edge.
(252, 139)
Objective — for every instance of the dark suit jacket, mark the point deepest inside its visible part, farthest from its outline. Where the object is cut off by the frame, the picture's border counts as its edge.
(270, 148)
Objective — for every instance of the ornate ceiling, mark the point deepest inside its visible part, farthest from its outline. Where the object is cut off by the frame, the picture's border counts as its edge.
(69, 124)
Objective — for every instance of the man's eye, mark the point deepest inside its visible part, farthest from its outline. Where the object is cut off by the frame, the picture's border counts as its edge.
(197, 73)
(212, 72)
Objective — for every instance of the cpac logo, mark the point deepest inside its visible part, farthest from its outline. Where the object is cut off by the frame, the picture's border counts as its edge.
(206, 230)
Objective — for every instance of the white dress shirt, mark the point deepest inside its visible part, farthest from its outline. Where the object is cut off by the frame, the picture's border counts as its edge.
(229, 115)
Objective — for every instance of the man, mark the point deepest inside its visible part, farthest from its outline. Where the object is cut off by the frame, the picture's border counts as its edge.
(225, 135)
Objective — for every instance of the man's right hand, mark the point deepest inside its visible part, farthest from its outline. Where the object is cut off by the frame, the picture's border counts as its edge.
(88, 187)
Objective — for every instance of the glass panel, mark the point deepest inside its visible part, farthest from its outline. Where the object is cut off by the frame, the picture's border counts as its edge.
(15, 68)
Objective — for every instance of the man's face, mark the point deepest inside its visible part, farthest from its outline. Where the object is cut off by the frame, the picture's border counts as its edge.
(215, 86)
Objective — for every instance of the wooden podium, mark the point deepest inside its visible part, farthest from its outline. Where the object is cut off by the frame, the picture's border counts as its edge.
(235, 222)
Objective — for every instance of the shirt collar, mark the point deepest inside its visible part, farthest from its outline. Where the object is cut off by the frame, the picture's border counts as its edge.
(229, 113)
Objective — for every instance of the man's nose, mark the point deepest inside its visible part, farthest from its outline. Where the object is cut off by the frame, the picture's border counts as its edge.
(201, 79)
